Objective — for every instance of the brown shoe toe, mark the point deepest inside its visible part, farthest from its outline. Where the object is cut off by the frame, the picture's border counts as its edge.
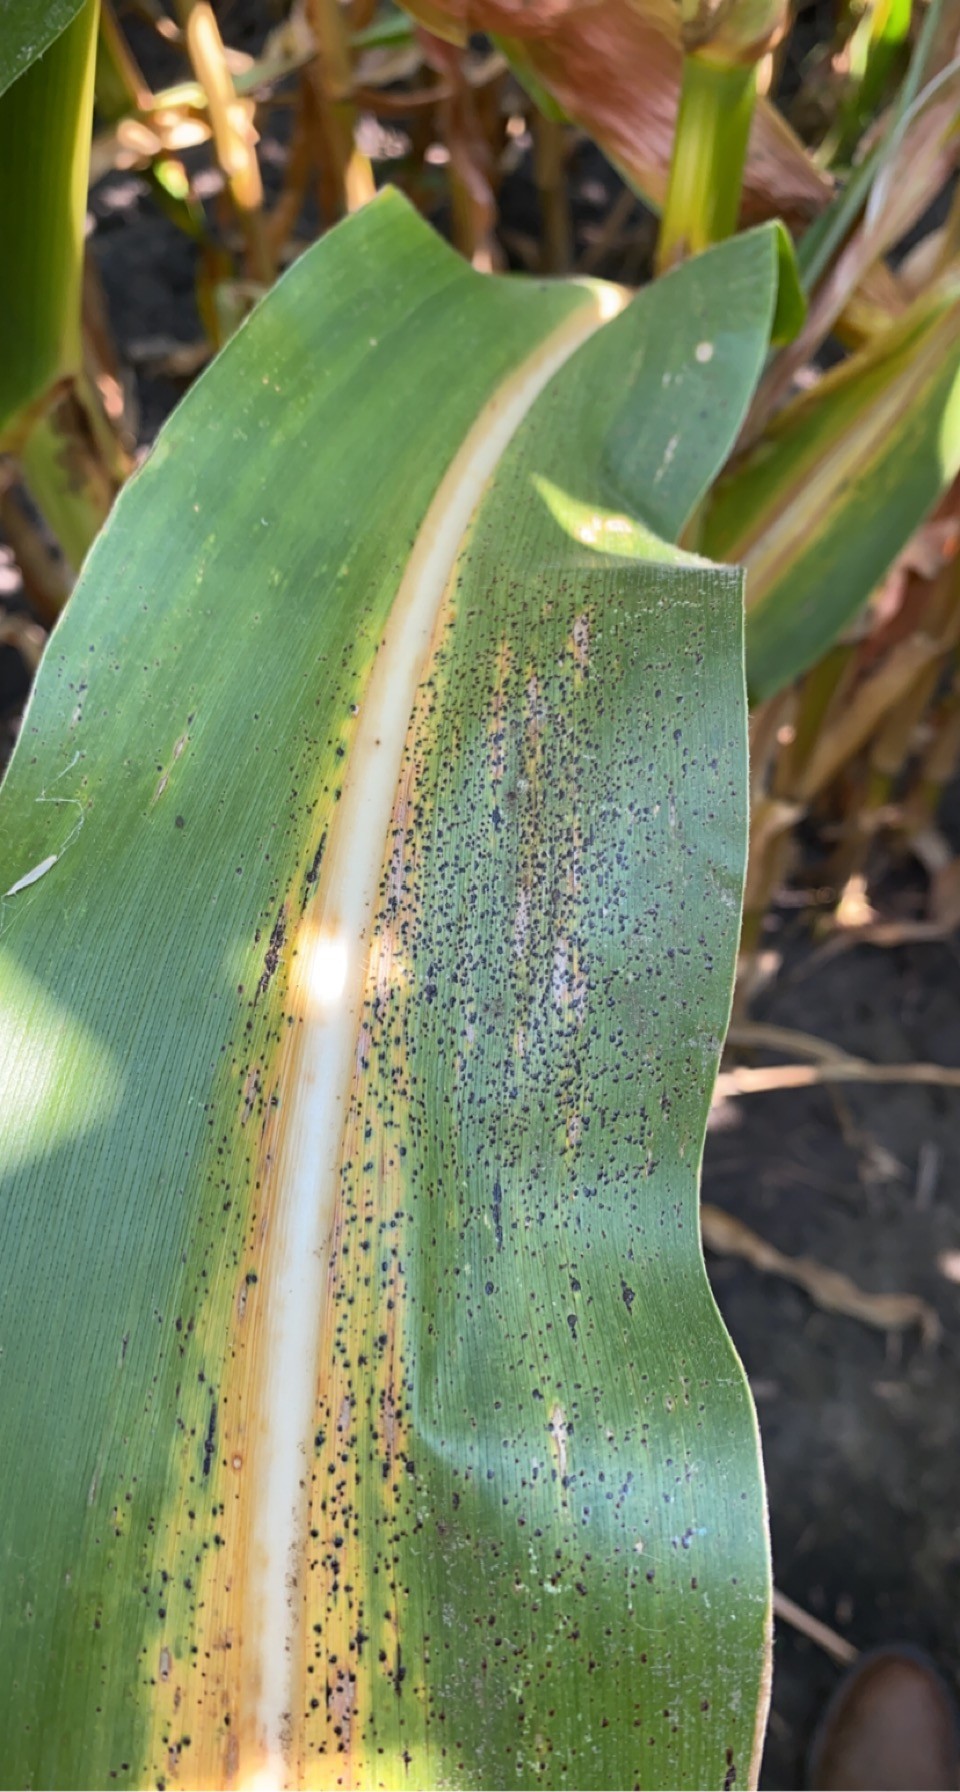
(890, 1727)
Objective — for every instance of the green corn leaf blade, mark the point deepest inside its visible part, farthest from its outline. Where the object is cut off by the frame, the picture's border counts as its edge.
(389, 29)
(373, 851)
(27, 29)
(660, 443)
(879, 42)
(45, 123)
(791, 299)
(819, 509)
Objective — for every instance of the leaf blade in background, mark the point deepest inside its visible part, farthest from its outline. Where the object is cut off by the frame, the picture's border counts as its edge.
(819, 509)
(46, 118)
(179, 823)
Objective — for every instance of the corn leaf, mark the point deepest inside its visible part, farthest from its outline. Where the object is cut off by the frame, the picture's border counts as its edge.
(373, 851)
(818, 511)
(27, 29)
(45, 123)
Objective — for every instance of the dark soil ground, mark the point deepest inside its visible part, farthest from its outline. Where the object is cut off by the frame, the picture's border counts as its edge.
(860, 1434)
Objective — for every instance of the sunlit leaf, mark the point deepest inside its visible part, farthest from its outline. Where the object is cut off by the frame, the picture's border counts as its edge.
(373, 851)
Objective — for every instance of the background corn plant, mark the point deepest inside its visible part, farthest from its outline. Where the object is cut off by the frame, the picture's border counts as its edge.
(375, 844)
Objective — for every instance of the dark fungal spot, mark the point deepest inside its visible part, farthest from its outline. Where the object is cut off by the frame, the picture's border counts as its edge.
(313, 872)
(271, 957)
(209, 1442)
(497, 1211)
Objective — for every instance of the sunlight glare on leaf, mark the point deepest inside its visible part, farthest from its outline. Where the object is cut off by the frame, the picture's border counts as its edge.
(328, 960)
(56, 1081)
(605, 531)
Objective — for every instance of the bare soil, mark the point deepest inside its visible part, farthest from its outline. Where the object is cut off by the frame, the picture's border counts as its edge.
(860, 1431)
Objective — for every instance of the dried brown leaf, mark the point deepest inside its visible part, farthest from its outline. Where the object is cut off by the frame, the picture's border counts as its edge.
(614, 67)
